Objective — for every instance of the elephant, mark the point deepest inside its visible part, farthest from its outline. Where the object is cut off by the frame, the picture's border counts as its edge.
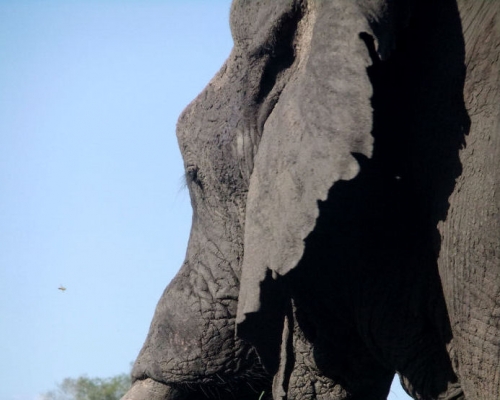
(344, 173)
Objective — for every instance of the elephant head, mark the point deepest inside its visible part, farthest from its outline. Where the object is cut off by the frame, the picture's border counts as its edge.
(324, 162)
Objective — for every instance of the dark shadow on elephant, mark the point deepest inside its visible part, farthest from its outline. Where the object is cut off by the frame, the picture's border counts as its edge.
(367, 292)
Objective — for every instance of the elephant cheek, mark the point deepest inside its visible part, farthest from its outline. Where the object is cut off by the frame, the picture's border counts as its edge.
(179, 334)
(172, 351)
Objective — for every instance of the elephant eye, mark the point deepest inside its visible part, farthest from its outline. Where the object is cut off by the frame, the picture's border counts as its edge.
(192, 174)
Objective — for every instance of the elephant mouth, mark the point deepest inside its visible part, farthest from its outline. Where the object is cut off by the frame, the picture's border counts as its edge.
(152, 390)
(149, 389)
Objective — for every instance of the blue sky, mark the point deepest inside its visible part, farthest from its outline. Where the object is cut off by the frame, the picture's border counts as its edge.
(91, 193)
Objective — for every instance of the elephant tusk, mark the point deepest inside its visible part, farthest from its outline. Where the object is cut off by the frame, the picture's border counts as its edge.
(148, 389)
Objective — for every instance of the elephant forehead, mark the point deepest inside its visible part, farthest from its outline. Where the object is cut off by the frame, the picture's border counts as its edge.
(208, 119)
(254, 22)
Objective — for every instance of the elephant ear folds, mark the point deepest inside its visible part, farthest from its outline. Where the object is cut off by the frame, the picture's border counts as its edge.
(323, 117)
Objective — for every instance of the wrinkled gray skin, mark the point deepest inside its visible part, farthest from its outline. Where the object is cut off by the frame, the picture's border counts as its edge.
(344, 173)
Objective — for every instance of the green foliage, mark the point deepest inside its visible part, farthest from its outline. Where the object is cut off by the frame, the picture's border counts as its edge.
(84, 388)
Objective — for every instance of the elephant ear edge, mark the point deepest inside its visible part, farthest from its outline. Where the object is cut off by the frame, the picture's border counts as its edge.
(322, 118)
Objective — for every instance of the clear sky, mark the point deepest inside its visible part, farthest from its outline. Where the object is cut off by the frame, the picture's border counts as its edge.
(91, 193)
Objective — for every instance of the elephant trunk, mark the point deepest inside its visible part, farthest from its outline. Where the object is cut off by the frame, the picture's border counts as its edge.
(148, 389)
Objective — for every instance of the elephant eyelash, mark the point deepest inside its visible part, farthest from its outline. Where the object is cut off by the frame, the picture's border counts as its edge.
(183, 183)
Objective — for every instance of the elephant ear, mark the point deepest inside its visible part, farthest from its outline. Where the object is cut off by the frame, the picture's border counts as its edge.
(323, 117)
